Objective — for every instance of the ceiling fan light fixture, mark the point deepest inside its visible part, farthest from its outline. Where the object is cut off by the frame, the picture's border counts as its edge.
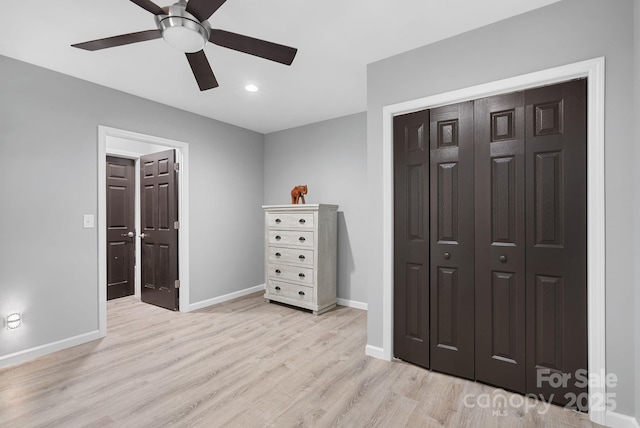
(182, 30)
(183, 37)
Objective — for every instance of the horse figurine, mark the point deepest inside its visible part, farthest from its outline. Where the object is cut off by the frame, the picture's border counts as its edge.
(297, 194)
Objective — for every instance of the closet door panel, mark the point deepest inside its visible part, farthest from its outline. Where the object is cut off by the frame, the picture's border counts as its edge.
(500, 241)
(452, 282)
(556, 156)
(411, 238)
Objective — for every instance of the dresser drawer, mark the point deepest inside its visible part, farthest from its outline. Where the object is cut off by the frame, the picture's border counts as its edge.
(302, 220)
(291, 255)
(301, 238)
(290, 291)
(291, 273)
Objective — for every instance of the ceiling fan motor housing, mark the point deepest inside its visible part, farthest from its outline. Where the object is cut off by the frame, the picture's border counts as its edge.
(182, 30)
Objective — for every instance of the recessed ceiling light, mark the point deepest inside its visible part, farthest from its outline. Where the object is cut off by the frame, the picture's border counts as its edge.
(251, 88)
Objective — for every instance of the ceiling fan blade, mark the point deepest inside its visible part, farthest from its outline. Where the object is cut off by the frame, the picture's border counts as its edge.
(123, 39)
(150, 6)
(249, 45)
(202, 70)
(203, 9)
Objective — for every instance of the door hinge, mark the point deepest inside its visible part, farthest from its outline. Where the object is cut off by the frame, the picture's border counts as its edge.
(176, 166)
(177, 282)
(176, 225)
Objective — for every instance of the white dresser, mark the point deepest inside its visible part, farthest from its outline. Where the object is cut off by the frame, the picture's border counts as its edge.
(300, 255)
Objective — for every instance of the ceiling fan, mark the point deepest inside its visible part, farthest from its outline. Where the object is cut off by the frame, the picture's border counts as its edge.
(185, 27)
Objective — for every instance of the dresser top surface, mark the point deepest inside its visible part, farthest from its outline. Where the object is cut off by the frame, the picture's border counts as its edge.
(299, 207)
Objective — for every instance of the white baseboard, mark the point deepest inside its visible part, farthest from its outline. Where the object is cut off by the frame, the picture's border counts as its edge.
(38, 351)
(618, 420)
(353, 304)
(224, 298)
(374, 351)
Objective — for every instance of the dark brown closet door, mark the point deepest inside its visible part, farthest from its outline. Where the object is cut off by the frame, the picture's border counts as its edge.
(500, 241)
(411, 237)
(556, 159)
(452, 275)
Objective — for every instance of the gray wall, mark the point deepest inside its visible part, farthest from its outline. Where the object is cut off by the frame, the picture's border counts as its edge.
(329, 157)
(636, 79)
(48, 147)
(562, 33)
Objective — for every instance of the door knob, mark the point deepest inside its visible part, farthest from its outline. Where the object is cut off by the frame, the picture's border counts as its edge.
(503, 259)
(128, 235)
(143, 235)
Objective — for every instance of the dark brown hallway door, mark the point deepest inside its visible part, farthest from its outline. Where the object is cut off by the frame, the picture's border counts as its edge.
(120, 227)
(411, 238)
(159, 234)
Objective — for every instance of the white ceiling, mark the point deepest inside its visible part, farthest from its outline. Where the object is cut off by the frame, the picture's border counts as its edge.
(336, 39)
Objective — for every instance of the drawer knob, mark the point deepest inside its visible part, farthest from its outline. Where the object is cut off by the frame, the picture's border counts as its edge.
(301, 293)
(278, 221)
(302, 221)
(301, 275)
(301, 239)
(301, 257)
(278, 237)
(277, 287)
(278, 254)
(503, 259)
(447, 256)
(278, 271)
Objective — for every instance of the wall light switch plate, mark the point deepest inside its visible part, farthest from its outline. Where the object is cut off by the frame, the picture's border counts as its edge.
(88, 221)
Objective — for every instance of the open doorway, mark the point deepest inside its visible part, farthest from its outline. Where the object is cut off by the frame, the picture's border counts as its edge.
(133, 146)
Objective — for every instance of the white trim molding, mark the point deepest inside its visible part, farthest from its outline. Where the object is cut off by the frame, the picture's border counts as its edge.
(353, 304)
(182, 150)
(375, 352)
(593, 70)
(618, 420)
(48, 348)
(225, 297)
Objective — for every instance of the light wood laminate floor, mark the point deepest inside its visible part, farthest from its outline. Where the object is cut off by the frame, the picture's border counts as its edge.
(246, 363)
